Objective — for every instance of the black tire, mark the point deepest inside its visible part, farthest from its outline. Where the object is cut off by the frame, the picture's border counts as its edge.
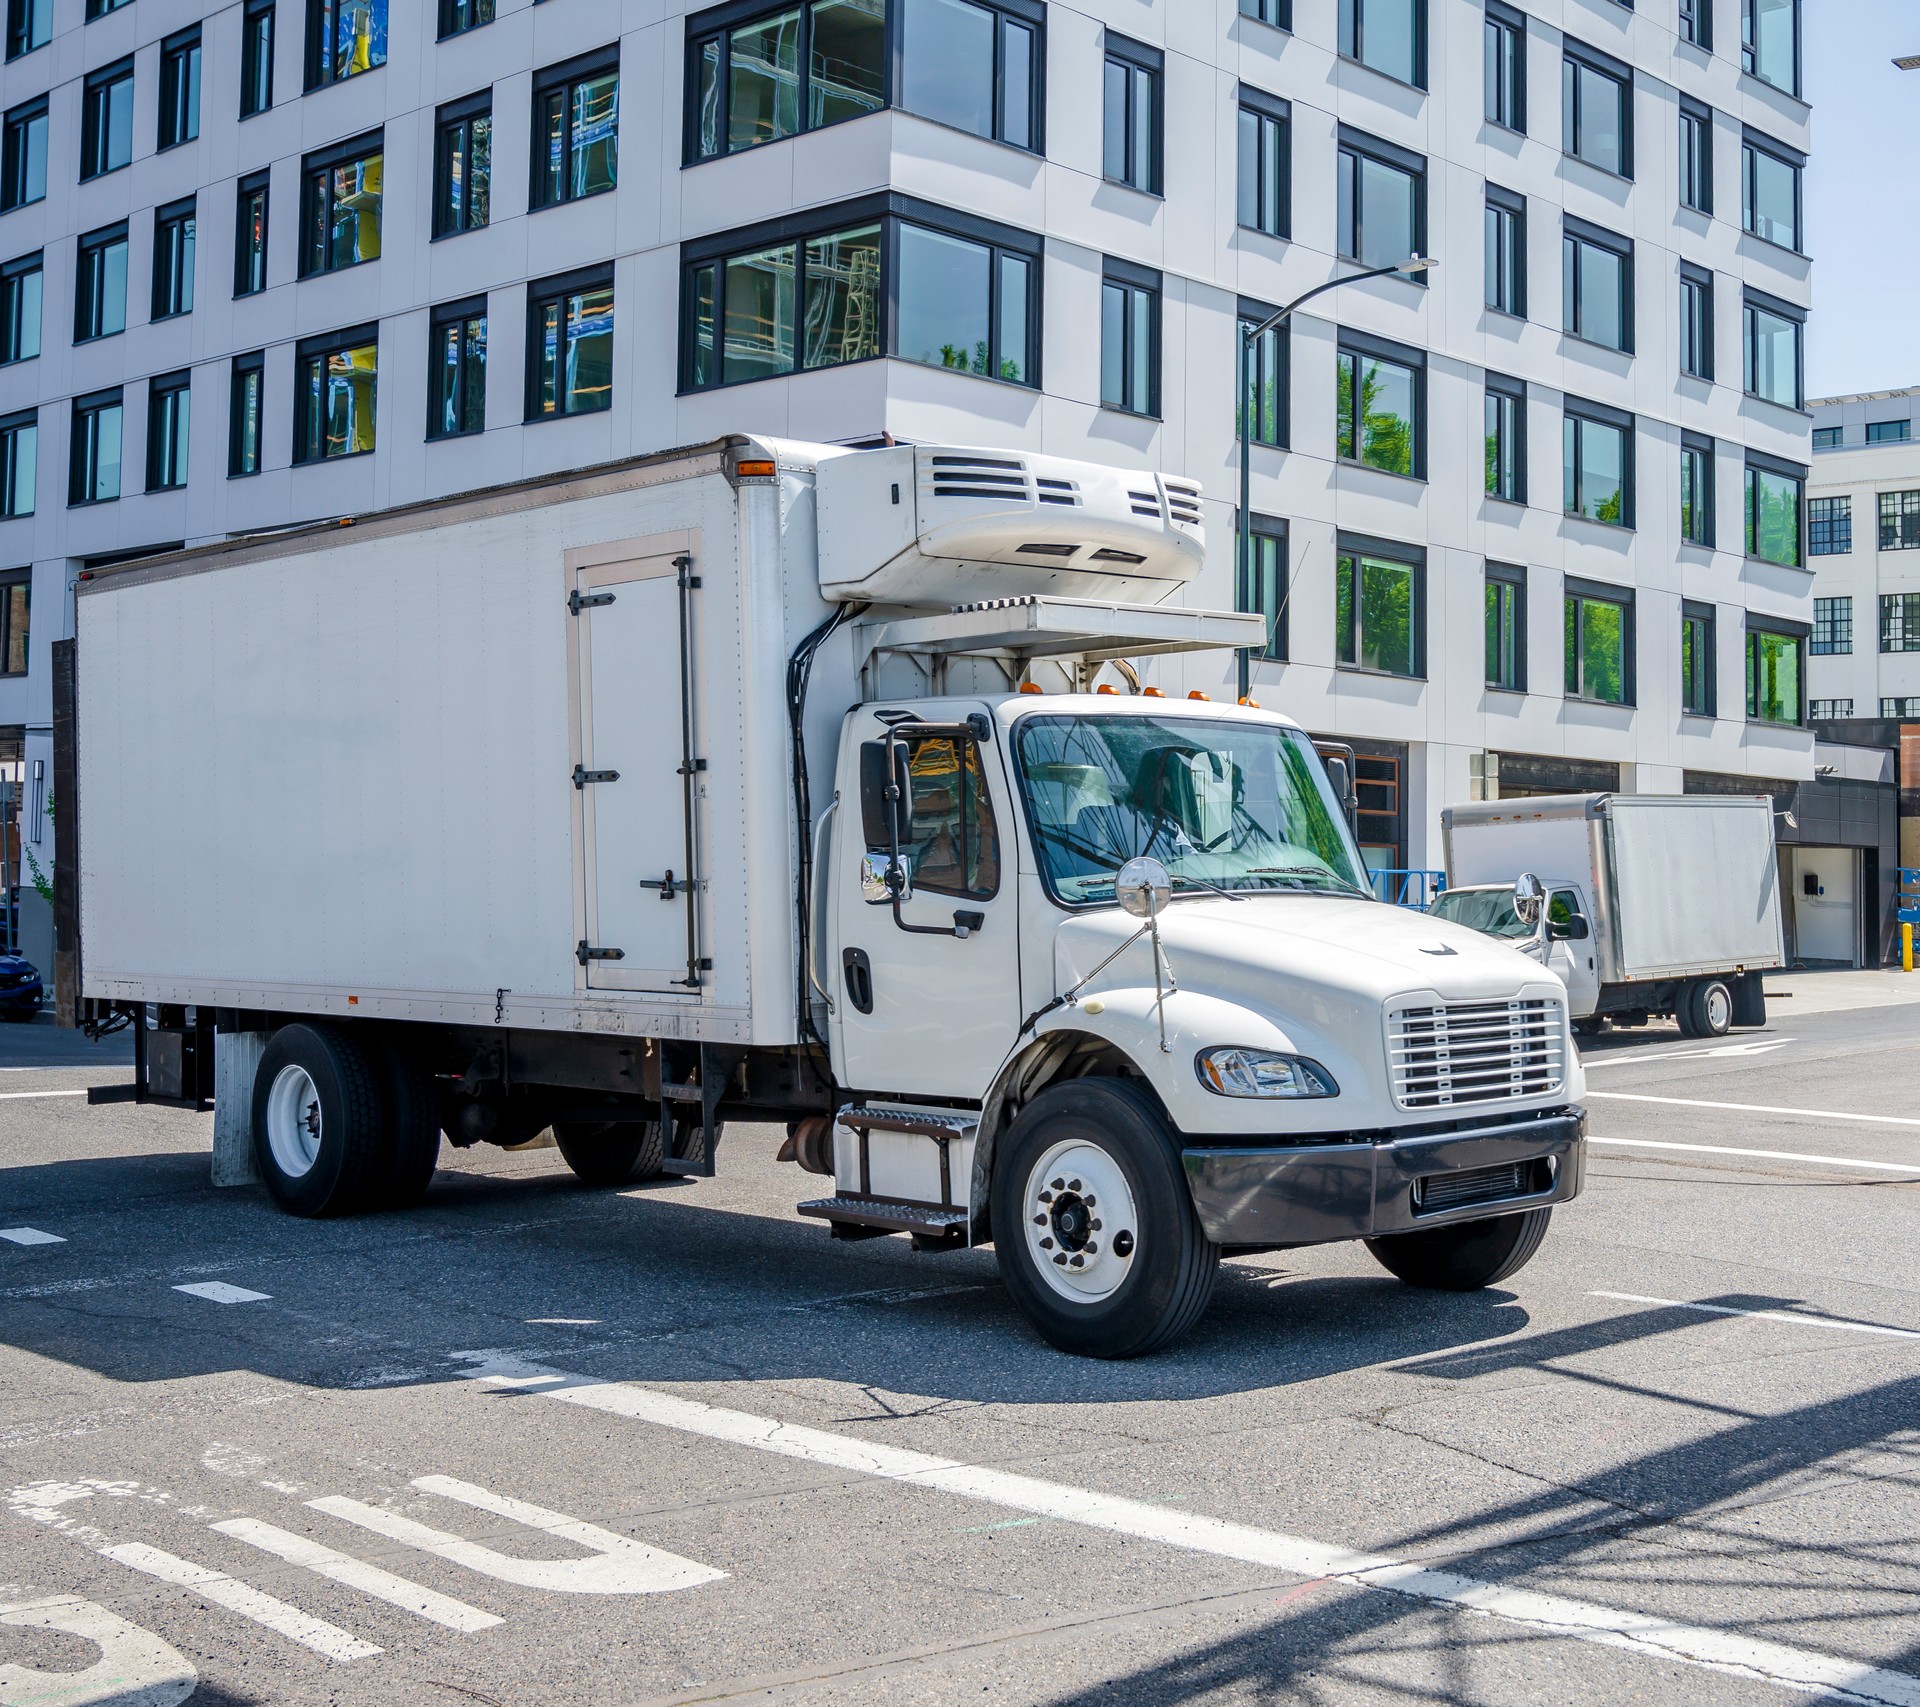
(611, 1152)
(1712, 1005)
(413, 1128)
(1591, 1026)
(1683, 1011)
(1172, 1264)
(341, 1092)
(1465, 1256)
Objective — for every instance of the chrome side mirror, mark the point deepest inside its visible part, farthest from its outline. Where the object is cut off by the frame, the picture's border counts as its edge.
(1143, 888)
(1529, 897)
(873, 878)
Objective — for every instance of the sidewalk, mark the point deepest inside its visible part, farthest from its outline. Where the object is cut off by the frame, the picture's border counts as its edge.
(1841, 992)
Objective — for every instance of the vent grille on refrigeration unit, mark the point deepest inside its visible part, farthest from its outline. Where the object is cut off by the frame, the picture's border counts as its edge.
(979, 477)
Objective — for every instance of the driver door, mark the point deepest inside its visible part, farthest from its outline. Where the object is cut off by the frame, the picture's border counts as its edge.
(1573, 958)
(924, 1011)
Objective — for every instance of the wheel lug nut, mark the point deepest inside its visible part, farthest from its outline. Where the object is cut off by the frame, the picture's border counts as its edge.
(1039, 1220)
(1095, 1225)
(1073, 1185)
(1046, 1244)
(1093, 1250)
(1079, 1262)
(1088, 1200)
(1059, 1185)
(1060, 1257)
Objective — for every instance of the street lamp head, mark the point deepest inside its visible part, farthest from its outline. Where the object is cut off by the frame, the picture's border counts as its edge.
(1419, 264)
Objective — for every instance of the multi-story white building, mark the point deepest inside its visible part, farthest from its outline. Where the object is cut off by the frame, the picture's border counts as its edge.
(1535, 517)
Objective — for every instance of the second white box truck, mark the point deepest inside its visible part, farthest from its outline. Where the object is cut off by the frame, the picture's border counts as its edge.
(774, 782)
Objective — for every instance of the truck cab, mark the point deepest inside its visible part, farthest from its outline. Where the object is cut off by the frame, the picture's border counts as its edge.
(1566, 947)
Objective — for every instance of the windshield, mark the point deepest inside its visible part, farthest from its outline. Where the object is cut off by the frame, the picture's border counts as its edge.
(1489, 911)
(1223, 805)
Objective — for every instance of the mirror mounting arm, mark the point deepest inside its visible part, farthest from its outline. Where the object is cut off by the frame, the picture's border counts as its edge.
(965, 924)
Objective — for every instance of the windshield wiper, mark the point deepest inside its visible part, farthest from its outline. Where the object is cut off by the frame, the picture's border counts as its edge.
(1182, 881)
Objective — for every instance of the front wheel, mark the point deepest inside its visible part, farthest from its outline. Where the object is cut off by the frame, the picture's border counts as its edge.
(614, 1152)
(319, 1123)
(1093, 1224)
(1464, 1257)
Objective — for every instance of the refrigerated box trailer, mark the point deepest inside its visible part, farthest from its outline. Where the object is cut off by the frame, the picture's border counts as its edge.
(775, 782)
(1657, 903)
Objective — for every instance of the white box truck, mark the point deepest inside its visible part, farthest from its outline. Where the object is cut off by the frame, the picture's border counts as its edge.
(772, 782)
(1656, 903)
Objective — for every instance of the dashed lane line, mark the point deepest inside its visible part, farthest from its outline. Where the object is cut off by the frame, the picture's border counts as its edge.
(357, 1574)
(1834, 1322)
(30, 1236)
(1661, 1639)
(1855, 1162)
(222, 1292)
(1760, 1108)
(328, 1640)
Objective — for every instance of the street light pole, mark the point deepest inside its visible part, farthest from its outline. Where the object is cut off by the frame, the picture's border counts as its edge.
(1249, 336)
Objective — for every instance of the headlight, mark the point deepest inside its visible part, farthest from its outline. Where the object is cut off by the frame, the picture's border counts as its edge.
(1234, 1072)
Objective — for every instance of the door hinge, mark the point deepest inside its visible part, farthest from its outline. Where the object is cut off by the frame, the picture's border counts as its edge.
(577, 601)
(692, 767)
(582, 776)
(687, 576)
(583, 953)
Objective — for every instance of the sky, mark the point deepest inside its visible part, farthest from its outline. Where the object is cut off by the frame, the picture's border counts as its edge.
(1862, 196)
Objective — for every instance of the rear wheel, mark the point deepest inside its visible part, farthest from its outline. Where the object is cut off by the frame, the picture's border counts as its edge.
(612, 1152)
(1712, 1008)
(319, 1127)
(1093, 1225)
(1591, 1026)
(1464, 1257)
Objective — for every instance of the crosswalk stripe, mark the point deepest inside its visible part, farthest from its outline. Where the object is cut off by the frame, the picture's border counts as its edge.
(357, 1574)
(289, 1621)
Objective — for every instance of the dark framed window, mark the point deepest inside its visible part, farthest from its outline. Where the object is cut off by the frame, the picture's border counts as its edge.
(576, 128)
(1696, 155)
(16, 595)
(250, 236)
(1770, 190)
(23, 155)
(1699, 660)
(256, 57)
(1380, 606)
(1264, 199)
(1829, 528)
(1383, 201)
(21, 286)
(1900, 521)
(93, 463)
(1776, 670)
(1596, 284)
(1772, 363)
(1885, 432)
(1599, 642)
(1266, 386)
(1278, 13)
(949, 833)
(100, 8)
(344, 39)
(1130, 338)
(1826, 438)
(1596, 109)
(29, 25)
(1696, 489)
(881, 275)
(1390, 36)
(976, 67)
(169, 422)
(570, 344)
(1380, 404)
(100, 284)
(1696, 23)
(1828, 710)
(173, 246)
(246, 409)
(340, 205)
(459, 16)
(1132, 120)
(1832, 623)
(457, 369)
(336, 394)
(179, 88)
(1696, 321)
(1506, 438)
(1770, 42)
(463, 165)
(1504, 43)
(755, 75)
(1506, 256)
(1900, 622)
(1506, 601)
(19, 463)
(1264, 582)
(106, 120)
(1597, 463)
(1907, 706)
(1776, 493)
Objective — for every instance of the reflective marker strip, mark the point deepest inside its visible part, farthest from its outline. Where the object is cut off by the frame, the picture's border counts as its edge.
(357, 1574)
(289, 1621)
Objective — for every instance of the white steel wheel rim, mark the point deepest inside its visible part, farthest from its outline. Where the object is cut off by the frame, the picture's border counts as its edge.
(1718, 1008)
(294, 1122)
(1082, 1225)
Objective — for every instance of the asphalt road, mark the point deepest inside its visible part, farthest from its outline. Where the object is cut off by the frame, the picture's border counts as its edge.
(535, 1444)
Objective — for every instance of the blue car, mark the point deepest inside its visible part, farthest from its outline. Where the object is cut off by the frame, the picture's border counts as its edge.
(19, 988)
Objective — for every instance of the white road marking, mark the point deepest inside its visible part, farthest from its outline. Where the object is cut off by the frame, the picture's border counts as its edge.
(1765, 1315)
(618, 1565)
(1761, 1108)
(357, 1574)
(22, 1096)
(1769, 1155)
(135, 1668)
(219, 1292)
(1755, 1046)
(30, 1236)
(1661, 1639)
(323, 1638)
(563, 1321)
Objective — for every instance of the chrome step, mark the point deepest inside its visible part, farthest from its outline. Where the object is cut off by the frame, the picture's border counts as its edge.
(878, 1215)
(919, 1122)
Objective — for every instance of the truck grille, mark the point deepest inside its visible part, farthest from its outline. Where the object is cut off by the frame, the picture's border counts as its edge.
(1459, 1052)
(1473, 1185)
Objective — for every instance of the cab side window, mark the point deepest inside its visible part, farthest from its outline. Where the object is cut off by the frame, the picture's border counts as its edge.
(952, 843)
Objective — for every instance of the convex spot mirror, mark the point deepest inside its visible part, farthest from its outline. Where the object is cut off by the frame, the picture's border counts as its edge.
(1529, 896)
(1143, 888)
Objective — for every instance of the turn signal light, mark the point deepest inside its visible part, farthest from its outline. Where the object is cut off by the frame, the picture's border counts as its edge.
(1104, 687)
(1031, 687)
(1152, 693)
(1195, 693)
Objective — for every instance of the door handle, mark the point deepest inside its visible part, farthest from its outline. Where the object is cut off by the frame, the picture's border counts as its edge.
(859, 971)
